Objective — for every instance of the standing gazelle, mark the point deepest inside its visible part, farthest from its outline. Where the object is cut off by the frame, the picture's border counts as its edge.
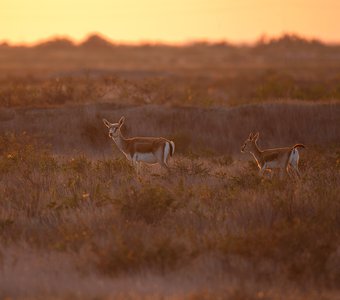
(277, 158)
(149, 150)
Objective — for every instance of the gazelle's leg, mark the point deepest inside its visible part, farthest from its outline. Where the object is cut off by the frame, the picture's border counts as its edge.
(163, 164)
(288, 171)
(162, 159)
(271, 174)
(296, 171)
(282, 172)
(268, 173)
(166, 166)
(263, 169)
(294, 163)
(135, 164)
(139, 167)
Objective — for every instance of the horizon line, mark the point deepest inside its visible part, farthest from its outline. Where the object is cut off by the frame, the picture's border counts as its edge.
(77, 42)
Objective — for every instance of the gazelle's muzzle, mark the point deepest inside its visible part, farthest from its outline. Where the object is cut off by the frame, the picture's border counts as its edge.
(113, 133)
(242, 148)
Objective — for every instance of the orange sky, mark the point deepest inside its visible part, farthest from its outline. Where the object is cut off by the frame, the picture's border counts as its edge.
(26, 21)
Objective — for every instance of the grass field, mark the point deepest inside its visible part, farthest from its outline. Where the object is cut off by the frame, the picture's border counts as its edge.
(83, 228)
(77, 223)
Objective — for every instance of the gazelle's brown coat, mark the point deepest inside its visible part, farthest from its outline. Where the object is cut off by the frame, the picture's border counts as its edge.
(149, 150)
(277, 158)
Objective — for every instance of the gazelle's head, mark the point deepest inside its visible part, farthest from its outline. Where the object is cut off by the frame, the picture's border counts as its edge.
(114, 128)
(250, 143)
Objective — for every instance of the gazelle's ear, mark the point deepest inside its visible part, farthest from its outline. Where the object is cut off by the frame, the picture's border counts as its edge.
(256, 136)
(107, 123)
(121, 121)
(250, 136)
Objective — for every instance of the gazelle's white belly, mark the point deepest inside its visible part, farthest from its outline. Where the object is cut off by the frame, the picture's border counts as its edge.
(145, 157)
(273, 165)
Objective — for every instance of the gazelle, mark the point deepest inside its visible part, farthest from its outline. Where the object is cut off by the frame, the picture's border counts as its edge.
(277, 158)
(149, 150)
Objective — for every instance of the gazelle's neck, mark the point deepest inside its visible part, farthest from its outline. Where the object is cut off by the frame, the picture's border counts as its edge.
(120, 142)
(257, 153)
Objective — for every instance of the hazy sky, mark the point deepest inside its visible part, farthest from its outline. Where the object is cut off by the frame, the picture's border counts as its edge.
(168, 20)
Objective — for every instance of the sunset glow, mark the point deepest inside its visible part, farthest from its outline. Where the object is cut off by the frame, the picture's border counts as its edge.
(168, 21)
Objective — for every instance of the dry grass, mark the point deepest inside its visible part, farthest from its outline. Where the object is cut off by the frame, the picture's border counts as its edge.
(203, 75)
(221, 88)
(81, 228)
(76, 223)
(79, 129)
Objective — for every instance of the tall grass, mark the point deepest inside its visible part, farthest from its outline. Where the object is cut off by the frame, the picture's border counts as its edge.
(79, 129)
(213, 221)
(179, 90)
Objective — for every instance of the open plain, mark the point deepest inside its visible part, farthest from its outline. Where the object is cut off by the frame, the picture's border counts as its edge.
(76, 222)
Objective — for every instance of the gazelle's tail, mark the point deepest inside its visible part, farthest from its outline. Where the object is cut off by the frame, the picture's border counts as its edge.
(172, 148)
(298, 146)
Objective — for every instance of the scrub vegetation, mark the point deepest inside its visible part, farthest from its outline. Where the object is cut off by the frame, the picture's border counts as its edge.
(77, 223)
